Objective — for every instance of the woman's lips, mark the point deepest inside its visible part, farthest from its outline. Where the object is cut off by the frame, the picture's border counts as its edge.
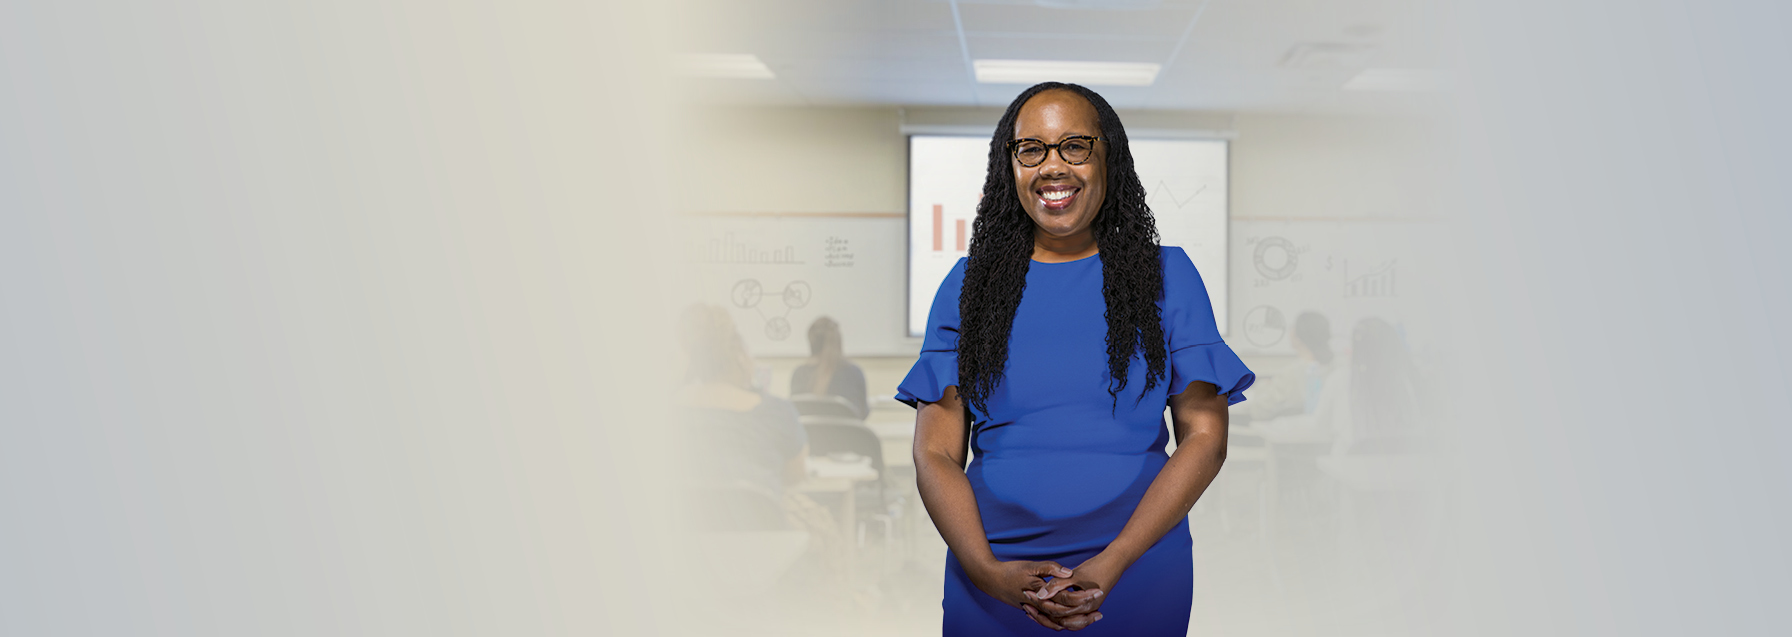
(1058, 198)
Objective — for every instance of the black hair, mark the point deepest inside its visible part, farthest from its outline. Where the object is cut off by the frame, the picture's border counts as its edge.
(1001, 251)
(1315, 332)
(825, 352)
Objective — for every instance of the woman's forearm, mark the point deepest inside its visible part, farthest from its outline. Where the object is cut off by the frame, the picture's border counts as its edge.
(1200, 420)
(1171, 495)
(946, 493)
(941, 448)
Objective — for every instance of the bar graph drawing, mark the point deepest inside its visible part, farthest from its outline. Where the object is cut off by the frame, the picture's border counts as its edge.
(1379, 282)
(730, 251)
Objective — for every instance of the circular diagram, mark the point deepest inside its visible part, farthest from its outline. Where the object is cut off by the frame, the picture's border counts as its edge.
(777, 328)
(1276, 258)
(746, 293)
(1264, 326)
(796, 294)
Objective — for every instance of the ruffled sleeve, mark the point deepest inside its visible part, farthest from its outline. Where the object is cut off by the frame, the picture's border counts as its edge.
(1196, 350)
(937, 368)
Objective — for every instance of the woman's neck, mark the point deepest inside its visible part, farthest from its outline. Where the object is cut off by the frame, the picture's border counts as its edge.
(1050, 249)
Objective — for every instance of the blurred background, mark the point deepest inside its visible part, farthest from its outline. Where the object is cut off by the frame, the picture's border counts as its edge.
(1454, 240)
(1301, 152)
(458, 318)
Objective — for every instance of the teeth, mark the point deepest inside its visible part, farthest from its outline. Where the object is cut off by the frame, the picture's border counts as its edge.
(1058, 195)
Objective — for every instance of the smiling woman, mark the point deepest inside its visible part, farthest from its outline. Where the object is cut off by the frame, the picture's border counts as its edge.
(1062, 337)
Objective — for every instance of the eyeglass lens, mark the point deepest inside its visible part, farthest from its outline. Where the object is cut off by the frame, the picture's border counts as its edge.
(1075, 150)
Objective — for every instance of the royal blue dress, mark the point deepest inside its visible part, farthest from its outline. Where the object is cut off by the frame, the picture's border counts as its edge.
(1058, 469)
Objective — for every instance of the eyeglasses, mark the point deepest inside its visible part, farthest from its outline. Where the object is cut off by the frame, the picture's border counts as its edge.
(1075, 149)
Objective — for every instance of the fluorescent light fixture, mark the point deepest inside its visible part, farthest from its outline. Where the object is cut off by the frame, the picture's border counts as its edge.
(1090, 73)
(740, 66)
(1410, 80)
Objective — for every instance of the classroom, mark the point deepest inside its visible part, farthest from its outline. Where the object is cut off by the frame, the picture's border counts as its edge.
(1304, 183)
(1247, 318)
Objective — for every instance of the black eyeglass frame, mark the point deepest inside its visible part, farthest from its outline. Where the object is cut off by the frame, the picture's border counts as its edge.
(1014, 147)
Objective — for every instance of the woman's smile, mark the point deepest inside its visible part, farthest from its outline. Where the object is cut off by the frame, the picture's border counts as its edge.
(1057, 197)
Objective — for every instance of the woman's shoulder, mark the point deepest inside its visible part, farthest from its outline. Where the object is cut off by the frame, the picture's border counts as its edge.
(1174, 256)
(1179, 269)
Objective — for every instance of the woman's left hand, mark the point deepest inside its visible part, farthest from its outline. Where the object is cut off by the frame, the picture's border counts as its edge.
(1094, 579)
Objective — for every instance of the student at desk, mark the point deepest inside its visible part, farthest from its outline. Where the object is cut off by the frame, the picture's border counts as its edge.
(827, 371)
(1370, 405)
(1379, 410)
(1295, 388)
(741, 434)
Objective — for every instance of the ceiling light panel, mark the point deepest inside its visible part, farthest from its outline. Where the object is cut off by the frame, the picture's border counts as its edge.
(1089, 73)
(738, 66)
(1407, 80)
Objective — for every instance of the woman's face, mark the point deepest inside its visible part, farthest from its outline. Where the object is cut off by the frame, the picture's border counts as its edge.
(1061, 198)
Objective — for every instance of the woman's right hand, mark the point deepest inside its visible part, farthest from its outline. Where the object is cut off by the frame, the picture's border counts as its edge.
(1010, 581)
(1007, 581)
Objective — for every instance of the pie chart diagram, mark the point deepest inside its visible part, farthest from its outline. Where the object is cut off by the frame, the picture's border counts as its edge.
(1264, 326)
(777, 328)
(746, 293)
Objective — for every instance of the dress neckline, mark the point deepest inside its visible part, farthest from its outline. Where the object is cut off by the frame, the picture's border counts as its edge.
(1092, 256)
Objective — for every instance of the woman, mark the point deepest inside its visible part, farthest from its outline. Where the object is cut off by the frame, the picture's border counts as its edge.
(1062, 336)
(1380, 411)
(828, 372)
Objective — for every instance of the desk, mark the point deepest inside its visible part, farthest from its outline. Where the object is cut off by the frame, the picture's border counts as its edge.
(1286, 441)
(898, 438)
(827, 475)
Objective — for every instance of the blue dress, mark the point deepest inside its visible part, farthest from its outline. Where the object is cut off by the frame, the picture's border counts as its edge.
(1052, 416)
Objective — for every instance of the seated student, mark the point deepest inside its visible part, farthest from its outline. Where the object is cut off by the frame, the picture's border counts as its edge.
(1294, 388)
(1373, 406)
(739, 434)
(828, 372)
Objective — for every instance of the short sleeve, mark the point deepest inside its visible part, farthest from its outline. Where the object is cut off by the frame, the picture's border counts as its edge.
(937, 368)
(1196, 350)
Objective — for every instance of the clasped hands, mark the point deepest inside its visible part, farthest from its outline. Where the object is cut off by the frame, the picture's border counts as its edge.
(1071, 600)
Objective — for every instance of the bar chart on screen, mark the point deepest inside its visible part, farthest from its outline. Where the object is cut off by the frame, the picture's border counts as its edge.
(959, 236)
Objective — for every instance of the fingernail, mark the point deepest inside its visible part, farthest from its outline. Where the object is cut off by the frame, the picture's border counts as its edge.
(1096, 594)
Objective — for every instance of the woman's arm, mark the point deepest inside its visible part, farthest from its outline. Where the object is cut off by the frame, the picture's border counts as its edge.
(1199, 418)
(941, 447)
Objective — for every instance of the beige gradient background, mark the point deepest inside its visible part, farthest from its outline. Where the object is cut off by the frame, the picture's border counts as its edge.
(345, 318)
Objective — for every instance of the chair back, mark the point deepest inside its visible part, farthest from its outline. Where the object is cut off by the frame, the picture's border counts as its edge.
(829, 435)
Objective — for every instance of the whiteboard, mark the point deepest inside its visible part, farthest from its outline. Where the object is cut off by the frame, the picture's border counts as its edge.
(1347, 270)
(1185, 185)
(777, 273)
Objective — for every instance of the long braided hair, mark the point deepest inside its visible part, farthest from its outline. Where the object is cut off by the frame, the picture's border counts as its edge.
(1001, 251)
